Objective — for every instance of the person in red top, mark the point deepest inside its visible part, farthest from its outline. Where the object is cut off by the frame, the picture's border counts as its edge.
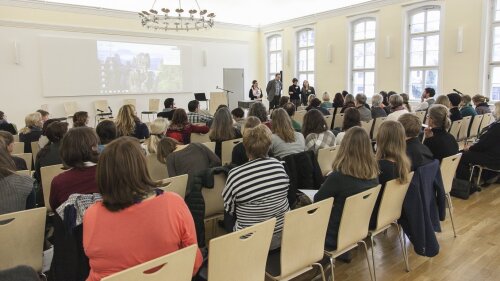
(135, 222)
(79, 156)
(180, 129)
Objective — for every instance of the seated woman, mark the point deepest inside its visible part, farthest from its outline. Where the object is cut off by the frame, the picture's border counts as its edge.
(222, 129)
(257, 191)
(239, 155)
(80, 119)
(5, 125)
(149, 222)
(377, 107)
(481, 103)
(352, 118)
(259, 110)
(49, 154)
(393, 162)
(8, 139)
(441, 143)
(180, 129)
(79, 156)
(14, 188)
(157, 132)
(106, 131)
(418, 153)
(43, 140)
(485, 151)
(354, 170)
(326, 101)
(455, 100)
(285, 140)
(466, 108)
(185, 159)
(32, 131)
(348, 102)
(283, 100)
(397, 107)
(406, 101)
(128, 124)
(316, 104)
(238, 118)
(316, 132)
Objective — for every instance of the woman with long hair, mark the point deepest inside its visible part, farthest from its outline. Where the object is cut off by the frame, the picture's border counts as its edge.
(441, 143)
(316, 132)
(157, 132)
(285, 140)
(406, 101)
(222, 129)
(32, 131)
(180, 129)
(354, 170)
(259, 110)
(255, 92)
(134, 207)
(349, 101)
(80, 119)
(49, 154)
(352, 118)
(307, 90)
(128, 124)
(444, 100)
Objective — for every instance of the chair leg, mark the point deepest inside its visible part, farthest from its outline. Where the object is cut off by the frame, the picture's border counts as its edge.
(367, 259)
(332, 265)
(479, 175)
(450, 206)
(373, 257)
(322, 270)
(402, 242)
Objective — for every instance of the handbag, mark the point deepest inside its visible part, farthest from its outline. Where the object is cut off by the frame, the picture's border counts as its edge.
(462, 188)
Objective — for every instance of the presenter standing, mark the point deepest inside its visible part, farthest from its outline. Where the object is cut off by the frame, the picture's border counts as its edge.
(294, 92)
(273, 91)
(255, 92)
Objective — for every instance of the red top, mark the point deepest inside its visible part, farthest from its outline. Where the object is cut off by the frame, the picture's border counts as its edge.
(70, 182)
(114, 241)
(183, 135)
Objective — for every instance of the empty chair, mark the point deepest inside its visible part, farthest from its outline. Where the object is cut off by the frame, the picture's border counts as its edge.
(214, 203)
(338, 120)
(157, 170)
(48, 173)
(354, 224)
(448, 168)
(22, 235)
(130, 102)
(376, 126)
(421, 115)
(464, 128)
(474, 127)
(299, 116)
(389, 213)
(176, 266)
(486, 121)
(210, 145)
(227, 150)
(70, 108)
(199, 138)
(367, 126)
(176, 184)
(27, 157)
(18, 148)
(329, 120)
(326, 156)
(301, 248)
(153, 108)
(455, 128)
(35, 148)
(241, 255)
(102, 111)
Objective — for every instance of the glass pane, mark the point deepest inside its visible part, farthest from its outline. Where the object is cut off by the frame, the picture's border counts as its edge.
(310, 79)
(272, 44)
(495, 84)
(279, 62)
(303, 39)
(416, 85)
(359, 31)
(358, 83)
(271, 77)
(431, 78)
(370, 55)
(370, 29)
(302, 77)
(369, 83)
(310, 36)
(497, 15)
(433, 18)
(310, 60)
(272, 63)
(432, 47)
(496, 34)
(302, 60)
(417, 51)
(278, 43)
(417, 23)
(359, 55)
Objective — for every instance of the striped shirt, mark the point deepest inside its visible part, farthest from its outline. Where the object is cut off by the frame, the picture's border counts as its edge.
(257, 191)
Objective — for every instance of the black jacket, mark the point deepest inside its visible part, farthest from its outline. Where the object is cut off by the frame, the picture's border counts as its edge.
(418, 153)
(455, 114)
(442, 144)
(166, 114)
(8, 127)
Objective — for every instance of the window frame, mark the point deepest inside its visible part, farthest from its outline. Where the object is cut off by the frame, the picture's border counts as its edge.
(269, 74)
(352, 42)
(490, 64)
(308, 48)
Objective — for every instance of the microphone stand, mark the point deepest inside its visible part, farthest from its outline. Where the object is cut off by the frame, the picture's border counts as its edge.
(227, 94)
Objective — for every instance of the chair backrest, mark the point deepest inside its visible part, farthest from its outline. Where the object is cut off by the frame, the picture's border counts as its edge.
(326, 156)
(27, 157)
(486, 121)
(101, 105)
(241, 255)
(300, 108)
(448, 168)
(16, 138)
(455, 128)
(157, 170)
(48, 173)
(331, 110)
(421, 115)
(367, 126)
(24, 172)
(176, 266)
(18, 148)
(214, 204)
(227, 150)
(176, 184)
(130, 102)
(338, 120)
(70, 108)
(299, 116)
(329, 120)
(301, 247)
(376, 126)
(200, 97)
(35, 148)
(464, 129)
(210, 145)
(392, 201)
(154, 105)
(199, 138)
(474, 127)
(355, 218)
(22, 235)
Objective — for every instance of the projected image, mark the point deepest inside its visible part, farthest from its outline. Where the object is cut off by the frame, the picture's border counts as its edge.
(138, 68)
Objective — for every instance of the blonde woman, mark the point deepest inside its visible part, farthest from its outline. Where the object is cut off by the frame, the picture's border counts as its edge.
(441, 143)
(354, 170)
(128, 124)
(444, 100)
(481, 103)
(285, 140)
(32, 132)
(326, 101)
(157, 132)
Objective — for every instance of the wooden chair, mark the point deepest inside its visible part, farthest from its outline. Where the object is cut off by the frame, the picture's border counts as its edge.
(331, 110)
(338, 120)
(154, 107)
(241, 255)
(326, 156)
(24, 173)
(302, 248)
(199, 138)
(210, 145)
(35, 148)
(130, 102)
(389, 213)
(367, 126)
(464, 128)
(376, 126)
(421, 115)
(176, 184)
(48, 173)
(299, 116)
(176, 266)
(214, 203)
(474, 127)
(70, 108)
(455, 128)
(486, 121)
(157, 170)
(329, 121)
(16, 138)
(18, 148)
(101, 110)
(27, 157)
(448, 169)
(22, 235)
(354, 224)
(227, 150)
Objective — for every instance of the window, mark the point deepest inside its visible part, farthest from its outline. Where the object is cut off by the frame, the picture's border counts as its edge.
(305, 55)
(274, 56)
(494, 59)
(363, 57)
(423, 55)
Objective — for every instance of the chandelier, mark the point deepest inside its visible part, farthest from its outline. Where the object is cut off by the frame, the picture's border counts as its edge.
(176, 19)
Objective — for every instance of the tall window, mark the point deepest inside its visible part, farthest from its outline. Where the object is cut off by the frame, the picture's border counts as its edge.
(305, 55)
(423, 43)
(274, 55)
(494, 60)
(363, 57)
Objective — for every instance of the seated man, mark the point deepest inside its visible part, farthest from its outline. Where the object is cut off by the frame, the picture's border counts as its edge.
(194, 115)
(169, 109)
(418, 153)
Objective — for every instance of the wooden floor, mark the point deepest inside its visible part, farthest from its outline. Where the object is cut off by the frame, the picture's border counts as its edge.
(473, 255)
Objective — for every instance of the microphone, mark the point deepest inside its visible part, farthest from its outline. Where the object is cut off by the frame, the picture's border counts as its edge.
(110, 111)
(457, 91)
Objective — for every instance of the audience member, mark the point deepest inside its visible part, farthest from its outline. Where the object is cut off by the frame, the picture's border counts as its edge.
(466, 108)
(194, 115)
(316, 104)
(168, 111)
(259, 110)
(344, 93)
(128, 124)
(255, 92)
(157, 132)
(352, 118)
(348, 102)
(326, 101)
(406, 101)
(377, 110)
(257, 190)
(106, 131)
(418, 153)
(180, 129)
(49, 154)
(294, 92)
(8, 140)
(316, 131)
(80, 119)
(481, 103)
(238, 117)
(285, 140)
(239, 155)
(437, 139)
(222, 129)
(338, 101)
(45, 115)
(32, 131)
(5, 125)
(309, 99)
(149, 222)
(364, 112)
(443, 100)
(397, 108)
(290, 109)
(283, 101)
(385, 100)
(43, 140)
(455, 100)
(427, 99)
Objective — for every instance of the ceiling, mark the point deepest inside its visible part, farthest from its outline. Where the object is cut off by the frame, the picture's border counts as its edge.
(246, 12)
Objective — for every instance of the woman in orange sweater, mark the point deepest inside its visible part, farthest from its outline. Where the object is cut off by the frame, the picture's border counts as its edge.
(136, 222)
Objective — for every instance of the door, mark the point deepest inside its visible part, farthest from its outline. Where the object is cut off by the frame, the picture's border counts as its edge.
(234, 81)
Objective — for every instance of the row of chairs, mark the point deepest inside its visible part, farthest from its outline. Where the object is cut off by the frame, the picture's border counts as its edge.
(469, 127)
